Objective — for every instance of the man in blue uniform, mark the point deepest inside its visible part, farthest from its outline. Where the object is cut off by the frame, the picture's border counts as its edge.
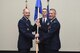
(44, 21)
(25, 33)
(51, 38)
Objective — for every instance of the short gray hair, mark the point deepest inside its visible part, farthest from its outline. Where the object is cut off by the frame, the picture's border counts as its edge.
(52, 9)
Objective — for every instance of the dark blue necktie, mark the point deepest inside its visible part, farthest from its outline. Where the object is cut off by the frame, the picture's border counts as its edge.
(44, 20)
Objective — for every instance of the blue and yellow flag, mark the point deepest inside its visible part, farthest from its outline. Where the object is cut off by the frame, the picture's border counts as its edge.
(38, 5)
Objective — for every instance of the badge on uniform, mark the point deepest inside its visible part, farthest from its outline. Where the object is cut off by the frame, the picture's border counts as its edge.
(28, 29)
(48, 23)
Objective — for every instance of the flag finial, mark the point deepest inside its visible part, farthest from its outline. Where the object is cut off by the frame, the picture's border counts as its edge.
(48, 0)
(26, 3)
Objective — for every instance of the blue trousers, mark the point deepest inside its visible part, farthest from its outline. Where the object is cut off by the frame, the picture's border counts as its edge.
(43, 49)
(24, 50)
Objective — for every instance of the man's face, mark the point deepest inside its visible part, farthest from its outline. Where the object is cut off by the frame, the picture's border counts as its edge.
(52, 14)
(26, 13)
(44, 12)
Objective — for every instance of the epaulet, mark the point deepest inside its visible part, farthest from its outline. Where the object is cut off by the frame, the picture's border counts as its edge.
(21, 19)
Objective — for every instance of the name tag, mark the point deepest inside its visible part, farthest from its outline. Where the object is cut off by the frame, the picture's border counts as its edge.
(48, 23)
(28, 29)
